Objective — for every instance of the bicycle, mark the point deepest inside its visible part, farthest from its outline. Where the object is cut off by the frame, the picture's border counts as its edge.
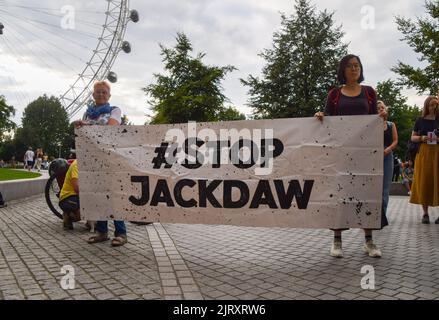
(57, 173)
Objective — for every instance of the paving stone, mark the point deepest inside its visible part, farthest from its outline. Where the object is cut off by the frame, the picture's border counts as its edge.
(183, 261)
(171, 290)
(192, 296)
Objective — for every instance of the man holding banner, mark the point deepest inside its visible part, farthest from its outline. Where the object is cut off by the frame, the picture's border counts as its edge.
(101, 113)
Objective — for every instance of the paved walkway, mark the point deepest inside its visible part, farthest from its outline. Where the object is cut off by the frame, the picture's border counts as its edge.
(177, 261)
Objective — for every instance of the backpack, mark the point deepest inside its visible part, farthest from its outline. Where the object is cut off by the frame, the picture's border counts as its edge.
(334, 97)
(412, 149)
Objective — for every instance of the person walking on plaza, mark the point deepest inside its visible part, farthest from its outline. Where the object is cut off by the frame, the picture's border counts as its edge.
(390, 143)
(29, 158)
(407, 176)
(38, 159)
(101, 113)
(425, 186)
(45, 163)
(351, 99)
(396, 168)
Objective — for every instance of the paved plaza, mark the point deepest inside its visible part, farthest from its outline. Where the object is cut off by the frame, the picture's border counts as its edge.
(178, 261)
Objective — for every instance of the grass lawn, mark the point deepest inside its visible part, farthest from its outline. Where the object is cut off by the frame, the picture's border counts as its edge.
(10, 174)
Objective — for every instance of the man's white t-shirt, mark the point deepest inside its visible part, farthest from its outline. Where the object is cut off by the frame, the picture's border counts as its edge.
(29, 155)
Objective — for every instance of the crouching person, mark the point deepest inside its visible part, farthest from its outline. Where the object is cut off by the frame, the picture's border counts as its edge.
(69, 197)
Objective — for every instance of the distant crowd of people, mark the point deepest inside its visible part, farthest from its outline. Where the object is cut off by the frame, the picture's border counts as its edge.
(35, 160)
(32, 160)
(403, 172)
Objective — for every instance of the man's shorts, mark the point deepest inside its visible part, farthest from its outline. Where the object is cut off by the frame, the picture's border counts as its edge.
(69, 204)
(30, 163)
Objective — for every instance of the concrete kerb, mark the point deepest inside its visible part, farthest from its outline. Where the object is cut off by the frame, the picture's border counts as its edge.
(23, 188)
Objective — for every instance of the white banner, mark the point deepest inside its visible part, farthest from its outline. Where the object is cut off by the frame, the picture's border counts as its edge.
(270, 173)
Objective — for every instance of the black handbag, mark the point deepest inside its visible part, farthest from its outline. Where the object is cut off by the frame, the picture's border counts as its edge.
(412, 149)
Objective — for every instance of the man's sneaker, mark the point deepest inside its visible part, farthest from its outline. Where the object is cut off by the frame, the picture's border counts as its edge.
(3, 205)
(425, 219)
(436, 221)
(336, 250)
(372, 250)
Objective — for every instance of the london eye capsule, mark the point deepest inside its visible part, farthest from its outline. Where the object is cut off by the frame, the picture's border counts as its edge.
(112, 77)
(126, 47)
(134, 16)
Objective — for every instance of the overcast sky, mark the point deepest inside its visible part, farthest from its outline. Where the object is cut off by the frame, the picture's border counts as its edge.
(36, 57)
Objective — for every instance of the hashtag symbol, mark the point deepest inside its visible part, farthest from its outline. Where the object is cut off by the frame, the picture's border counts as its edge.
(161, 156)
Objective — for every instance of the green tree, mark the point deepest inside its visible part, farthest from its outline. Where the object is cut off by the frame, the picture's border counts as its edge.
(45, 125)
(190, 90)
(69, 142)
(300, 67)
(423, 36)
(403, 115)
(125, 120)
(230, 114)
(6, 112)
(7, 149)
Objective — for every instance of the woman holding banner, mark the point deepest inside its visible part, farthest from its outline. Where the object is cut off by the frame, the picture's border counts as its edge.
(352, 99)
(101, 113)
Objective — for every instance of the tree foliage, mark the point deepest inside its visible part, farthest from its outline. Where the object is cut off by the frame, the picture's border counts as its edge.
(6, 112)
(45, 125)
(125, 120)
(403, 115)
(423, 36)
(230, 114)
(190, 91)
(300, 67)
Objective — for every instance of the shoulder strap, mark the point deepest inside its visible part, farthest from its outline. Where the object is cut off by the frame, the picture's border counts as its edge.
(334, 98)
(368, 97)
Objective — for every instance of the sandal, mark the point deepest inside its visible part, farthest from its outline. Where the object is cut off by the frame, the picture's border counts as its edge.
(118, 241)
(101, 237)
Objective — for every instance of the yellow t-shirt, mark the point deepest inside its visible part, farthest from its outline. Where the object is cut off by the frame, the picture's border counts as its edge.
(67, 188)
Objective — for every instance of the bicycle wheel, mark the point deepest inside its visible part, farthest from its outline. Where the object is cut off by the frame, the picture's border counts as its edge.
(51, 192)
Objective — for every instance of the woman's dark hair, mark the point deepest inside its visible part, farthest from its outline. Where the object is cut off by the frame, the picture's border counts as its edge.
(342, 67)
